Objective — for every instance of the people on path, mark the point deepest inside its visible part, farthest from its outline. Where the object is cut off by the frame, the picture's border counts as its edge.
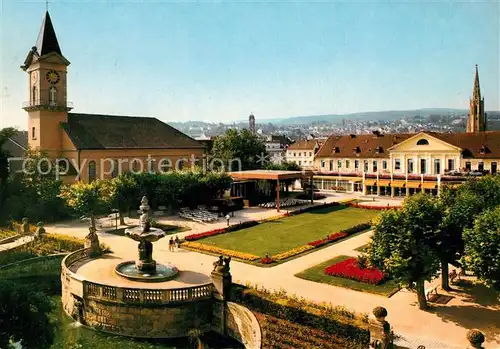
(171, 245)
(177, 242)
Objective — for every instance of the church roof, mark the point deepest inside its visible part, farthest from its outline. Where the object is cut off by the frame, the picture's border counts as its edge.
(47, 40)
(93, 131)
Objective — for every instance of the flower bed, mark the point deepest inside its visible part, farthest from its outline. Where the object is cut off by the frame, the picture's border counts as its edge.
(218, 250)
(198, 236)
(350, 269)
(267, 260)
(340, 235)
(292, 252)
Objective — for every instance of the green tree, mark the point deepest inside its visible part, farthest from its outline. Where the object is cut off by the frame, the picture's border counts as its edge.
(88, 199)
(5, 134)
(125, 194)
(401, 243)
(460, 208)
(24, 317)
(243, 146)
(482, 247)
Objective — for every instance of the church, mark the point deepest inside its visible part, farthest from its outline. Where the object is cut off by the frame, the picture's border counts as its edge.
(93, 146)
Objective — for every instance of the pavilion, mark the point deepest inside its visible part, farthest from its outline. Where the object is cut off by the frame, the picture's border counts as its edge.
(273, 175)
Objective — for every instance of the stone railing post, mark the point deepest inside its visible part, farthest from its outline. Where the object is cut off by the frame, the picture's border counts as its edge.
(26, 226)
(221, 278)
(475, 338)
(380, 330)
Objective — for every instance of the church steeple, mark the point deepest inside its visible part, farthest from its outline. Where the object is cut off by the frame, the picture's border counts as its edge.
(476, 121)
(47, 40)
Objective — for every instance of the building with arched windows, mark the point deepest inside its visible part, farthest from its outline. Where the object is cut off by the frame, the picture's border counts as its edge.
(96, 145)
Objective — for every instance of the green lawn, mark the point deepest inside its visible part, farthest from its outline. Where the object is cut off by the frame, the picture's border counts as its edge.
(317, 274)
(290, 232)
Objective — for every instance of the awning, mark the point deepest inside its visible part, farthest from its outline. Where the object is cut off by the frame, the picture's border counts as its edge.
(384, 182)
(413, 184)
(356, 180)
(398, 184)
(370, 181)
(429, 185)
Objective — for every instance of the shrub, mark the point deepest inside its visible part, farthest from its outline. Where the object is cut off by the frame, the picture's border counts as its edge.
(292, 252)
(475, 336)
(218, 250)
(349, 269)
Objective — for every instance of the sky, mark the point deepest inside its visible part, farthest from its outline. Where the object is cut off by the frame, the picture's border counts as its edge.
(220, 61)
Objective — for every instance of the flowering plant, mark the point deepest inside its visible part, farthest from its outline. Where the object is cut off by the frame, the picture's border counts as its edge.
(349, 269)
(267, 260)
(292, 252)
(198, 236)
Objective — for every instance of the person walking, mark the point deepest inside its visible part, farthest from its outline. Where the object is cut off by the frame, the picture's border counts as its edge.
(171, 245)
(177, 242)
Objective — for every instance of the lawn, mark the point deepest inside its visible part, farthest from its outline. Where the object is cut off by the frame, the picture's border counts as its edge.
(317, 274)
(287, 233)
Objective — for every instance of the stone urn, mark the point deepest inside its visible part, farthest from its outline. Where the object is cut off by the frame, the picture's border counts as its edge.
(475, 338)
(380, 313)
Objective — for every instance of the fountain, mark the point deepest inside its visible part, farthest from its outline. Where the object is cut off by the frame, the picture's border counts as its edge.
(145, 268)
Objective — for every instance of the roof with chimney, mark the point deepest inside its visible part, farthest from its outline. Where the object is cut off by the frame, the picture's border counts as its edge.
(94, 131)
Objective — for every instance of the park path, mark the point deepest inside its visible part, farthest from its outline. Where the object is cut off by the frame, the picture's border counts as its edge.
(444, 327)
(23, 240)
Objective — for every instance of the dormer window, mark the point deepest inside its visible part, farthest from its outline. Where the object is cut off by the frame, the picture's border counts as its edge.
(423, 141)
(357, 150)
(336, 150)
(378, 150)
(484, 149)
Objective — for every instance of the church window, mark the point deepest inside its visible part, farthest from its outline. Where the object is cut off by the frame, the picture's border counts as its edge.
(92, 171)
(33, 133)
(53, 95)
(34, 96)
(423, 141)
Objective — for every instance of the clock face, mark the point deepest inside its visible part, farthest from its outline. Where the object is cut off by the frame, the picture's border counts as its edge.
(34, 76)
(53, 77)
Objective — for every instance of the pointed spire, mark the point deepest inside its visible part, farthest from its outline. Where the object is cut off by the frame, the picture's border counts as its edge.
(476, 93)
(47, 40)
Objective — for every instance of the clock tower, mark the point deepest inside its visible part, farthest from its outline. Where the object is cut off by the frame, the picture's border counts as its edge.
(46, 105)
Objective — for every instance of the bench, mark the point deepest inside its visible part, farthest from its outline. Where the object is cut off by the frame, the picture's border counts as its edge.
(430, 292)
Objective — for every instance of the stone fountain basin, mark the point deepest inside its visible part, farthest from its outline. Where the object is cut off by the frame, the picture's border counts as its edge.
(154, 234)
(163, 272)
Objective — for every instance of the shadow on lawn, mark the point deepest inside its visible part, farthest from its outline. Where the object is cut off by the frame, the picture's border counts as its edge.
(326, 210)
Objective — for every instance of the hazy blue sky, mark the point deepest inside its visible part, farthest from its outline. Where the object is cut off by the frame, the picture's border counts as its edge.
(220, 61)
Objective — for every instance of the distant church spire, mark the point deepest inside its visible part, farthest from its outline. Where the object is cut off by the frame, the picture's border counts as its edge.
(251, 123)
(476, 121)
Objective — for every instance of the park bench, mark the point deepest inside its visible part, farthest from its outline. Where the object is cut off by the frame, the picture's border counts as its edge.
(429, 292)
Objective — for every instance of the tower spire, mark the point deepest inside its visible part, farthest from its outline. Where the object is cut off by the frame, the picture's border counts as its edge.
(47, 40)
(476, 93)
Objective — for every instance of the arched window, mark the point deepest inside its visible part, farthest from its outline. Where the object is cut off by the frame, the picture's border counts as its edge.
(53, 95)
(423, 141)
(34, 96)
(92, 171)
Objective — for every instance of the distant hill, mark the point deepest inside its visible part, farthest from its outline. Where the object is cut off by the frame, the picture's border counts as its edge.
(369, 116)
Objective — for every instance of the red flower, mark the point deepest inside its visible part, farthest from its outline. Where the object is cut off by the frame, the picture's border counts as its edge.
(266, 260)
(350, 269)
(198, 236)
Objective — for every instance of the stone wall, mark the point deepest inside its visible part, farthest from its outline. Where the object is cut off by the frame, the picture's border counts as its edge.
(148, 321)
(242, 325)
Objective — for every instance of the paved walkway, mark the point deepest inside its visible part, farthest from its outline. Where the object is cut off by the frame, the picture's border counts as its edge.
(23, 240)
(446, 323)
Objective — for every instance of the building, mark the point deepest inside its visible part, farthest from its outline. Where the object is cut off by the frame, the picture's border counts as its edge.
(276, 146)
(476, 120)
(403, 164)
(95, 145)
(16, 147)
(303, 152)
(251, 123)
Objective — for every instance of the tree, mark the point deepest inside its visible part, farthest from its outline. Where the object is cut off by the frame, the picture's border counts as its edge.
(124, 194)
(24, 316)
(88, 199)
(482, 247)
(243, 146)
(460, 208)
(401, 243)
(5, 134)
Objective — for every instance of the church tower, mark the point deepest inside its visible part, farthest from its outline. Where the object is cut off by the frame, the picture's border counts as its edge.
(46, 105)
(476, 121)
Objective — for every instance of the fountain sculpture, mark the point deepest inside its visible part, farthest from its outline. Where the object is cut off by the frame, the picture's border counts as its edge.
(145, 268)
